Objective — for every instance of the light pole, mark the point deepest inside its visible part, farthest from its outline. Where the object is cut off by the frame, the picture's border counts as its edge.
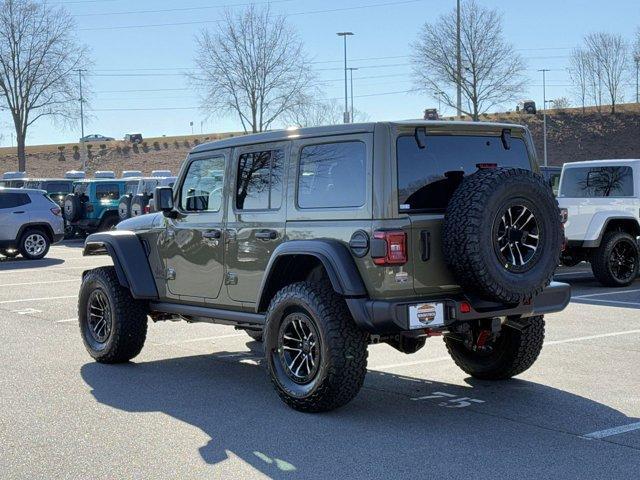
(346, 88)
(353, 113)
(80, 71)
(458, 61)
(439, 94)
(636, 58)
(544, 112)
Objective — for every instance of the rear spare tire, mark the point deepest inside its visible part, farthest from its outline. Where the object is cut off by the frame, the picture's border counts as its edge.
(502, 234)
(71, 207)
(138, 203)
(124, 207)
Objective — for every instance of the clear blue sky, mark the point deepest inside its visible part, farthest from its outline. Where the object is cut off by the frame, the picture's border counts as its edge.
(124, 44)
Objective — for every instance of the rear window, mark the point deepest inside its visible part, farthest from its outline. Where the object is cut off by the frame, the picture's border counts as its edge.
(57, 187)
(107, 191)
(597, 182)
(428, 177)
(332, 175)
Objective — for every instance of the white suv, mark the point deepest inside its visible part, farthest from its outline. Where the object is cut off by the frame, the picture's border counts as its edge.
(602, 202)
(29, 223)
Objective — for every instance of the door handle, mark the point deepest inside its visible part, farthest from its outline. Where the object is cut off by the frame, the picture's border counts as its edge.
(20, 211)
(216, 234)
(267, 235)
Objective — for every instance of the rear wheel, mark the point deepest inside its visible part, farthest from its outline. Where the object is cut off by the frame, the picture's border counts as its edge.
(615, 263)
(315, 354)
(513, 350)
(34, 244)
(113, 325)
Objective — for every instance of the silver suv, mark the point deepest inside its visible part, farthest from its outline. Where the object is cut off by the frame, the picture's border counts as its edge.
(29, 223)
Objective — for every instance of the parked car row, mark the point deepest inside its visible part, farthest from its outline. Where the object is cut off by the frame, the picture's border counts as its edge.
(36, 212)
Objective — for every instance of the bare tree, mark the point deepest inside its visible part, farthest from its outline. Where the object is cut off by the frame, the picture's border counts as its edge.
(39, 56)
(492, 72)
(313, 113)
(610, 59)
(253, 65)
(579, 73)
(561, 103)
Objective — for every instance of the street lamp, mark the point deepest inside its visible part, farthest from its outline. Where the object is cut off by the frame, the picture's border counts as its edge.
(353, 113)
(439, 94)
(544, 112)
(346, 88)
(636, 58)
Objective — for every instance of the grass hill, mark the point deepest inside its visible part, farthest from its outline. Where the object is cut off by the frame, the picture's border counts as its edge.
(572, 135)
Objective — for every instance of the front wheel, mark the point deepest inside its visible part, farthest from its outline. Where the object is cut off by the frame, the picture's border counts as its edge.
(315, 354)
(615, 262)
(34, 244)
(510, 353)
(113, 325)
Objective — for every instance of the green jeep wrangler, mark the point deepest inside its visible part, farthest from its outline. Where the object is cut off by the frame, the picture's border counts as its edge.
(320, 241)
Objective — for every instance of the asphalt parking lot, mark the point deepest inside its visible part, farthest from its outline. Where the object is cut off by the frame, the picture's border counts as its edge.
(197, 404)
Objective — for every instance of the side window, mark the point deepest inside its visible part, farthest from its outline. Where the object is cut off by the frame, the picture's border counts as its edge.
(597, 182)
(12, 200)
(332, 175)
(107, 191)
(259, 182)
(202, 187)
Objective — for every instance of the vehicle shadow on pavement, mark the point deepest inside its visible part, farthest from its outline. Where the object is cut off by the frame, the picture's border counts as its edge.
(396, 425)
(22, 263)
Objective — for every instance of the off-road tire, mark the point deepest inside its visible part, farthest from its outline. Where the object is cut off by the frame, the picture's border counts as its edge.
(257, 335)
(469, 236)
(516, 351)
(23, 248)
(138, 202)
(109, 223)
(343, 348)
(128, 318)
(601, 259)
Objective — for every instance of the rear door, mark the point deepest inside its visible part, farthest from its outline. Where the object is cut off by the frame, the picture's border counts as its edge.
(13, 214)
(427, 178)
(256, 219)
(192, 244)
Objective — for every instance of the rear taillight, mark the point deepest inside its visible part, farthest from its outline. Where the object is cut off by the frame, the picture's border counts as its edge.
(147, 209)
(394, 249)
(56, 211)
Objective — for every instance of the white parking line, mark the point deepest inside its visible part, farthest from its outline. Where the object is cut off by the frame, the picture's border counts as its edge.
(592, 337)
(26, 269)
(613, 431)
(67, 320)
(37, 299)
(589, 295)
(39, 283)
(617, 302)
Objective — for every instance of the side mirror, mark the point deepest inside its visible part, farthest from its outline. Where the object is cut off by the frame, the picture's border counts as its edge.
(163, 198)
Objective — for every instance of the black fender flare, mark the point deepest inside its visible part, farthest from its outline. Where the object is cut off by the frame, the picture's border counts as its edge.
(334, 256)
(129, 258)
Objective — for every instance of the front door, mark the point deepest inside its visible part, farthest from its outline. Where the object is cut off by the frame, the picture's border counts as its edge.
(192, 244)
(256, 219)
(13, 214)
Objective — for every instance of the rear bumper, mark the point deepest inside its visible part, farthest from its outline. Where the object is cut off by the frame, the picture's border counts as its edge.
(385, 317)
(87, 224)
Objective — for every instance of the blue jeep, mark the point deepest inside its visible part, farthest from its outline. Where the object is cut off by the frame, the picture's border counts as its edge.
(92, 206)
